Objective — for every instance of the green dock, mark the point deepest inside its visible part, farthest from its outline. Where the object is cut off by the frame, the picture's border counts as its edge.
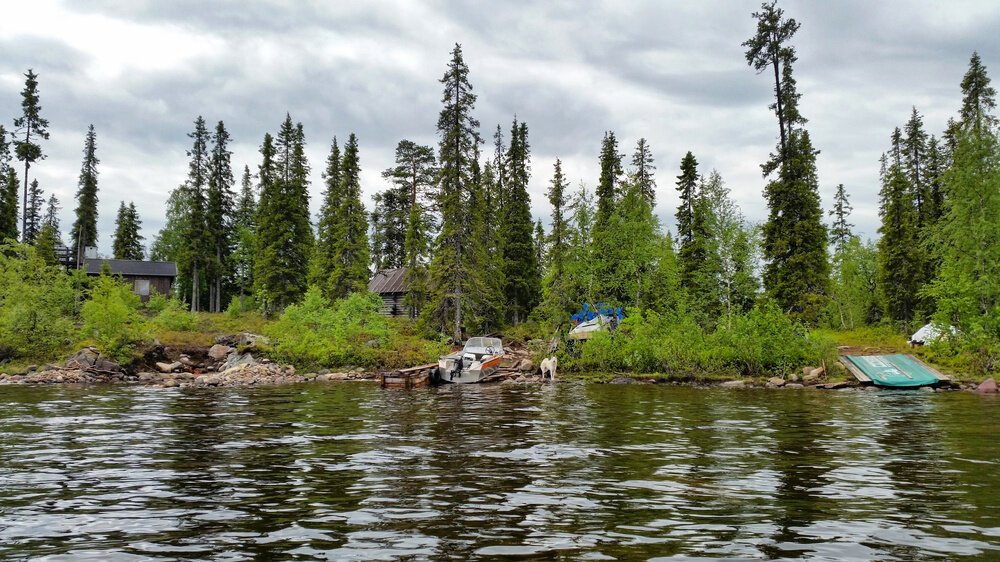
(894, 371)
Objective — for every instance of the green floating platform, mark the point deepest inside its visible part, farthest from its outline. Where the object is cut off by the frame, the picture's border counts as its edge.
(898, 371)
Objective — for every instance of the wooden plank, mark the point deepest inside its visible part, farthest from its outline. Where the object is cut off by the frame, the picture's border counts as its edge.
(854, 370)
(417, 368)
(940, 376)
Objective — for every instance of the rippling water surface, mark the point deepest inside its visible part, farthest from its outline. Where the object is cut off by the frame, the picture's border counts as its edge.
(353, 472)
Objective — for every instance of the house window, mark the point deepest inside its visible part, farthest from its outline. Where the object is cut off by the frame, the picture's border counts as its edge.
(142, 287)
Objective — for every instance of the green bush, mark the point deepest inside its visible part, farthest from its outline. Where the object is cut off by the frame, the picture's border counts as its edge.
(36, 304)
(176, 317)
(315, 334)
(111, 318)
(762, 341)
(156, 302)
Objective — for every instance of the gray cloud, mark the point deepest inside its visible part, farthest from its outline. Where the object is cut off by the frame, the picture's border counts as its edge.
(674, 74)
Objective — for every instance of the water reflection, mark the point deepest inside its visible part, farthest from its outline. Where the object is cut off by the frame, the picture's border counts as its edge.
(354, 472)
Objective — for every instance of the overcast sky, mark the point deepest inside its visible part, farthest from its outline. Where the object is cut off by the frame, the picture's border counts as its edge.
(673, 72)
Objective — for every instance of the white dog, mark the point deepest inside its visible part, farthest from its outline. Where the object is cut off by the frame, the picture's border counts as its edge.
(549, 367)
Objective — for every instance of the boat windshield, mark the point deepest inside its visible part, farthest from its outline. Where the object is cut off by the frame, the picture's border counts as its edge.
(483, 345)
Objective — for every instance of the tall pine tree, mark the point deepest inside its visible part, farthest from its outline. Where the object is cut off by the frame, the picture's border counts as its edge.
(127, 244)
(84, 231)
(8, 191)
(328, 224)
(33, 218)
(643, 172)
(244, 237)
(218, 214)
(795, 240)
(350, 271)
(840, 233)
(556, 290)
(609, 182)
(197, 252)
(453, 277)
(284, 235)
(966, 291)
(521, 281)
(32, 129)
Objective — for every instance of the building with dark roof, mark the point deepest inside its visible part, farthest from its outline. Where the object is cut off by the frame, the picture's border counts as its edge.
(144, 276)
(391, 286)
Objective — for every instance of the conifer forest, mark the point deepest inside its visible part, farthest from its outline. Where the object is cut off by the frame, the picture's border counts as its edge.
(717, 293)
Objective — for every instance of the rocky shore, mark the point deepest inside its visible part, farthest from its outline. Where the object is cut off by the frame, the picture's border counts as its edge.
(231, 362)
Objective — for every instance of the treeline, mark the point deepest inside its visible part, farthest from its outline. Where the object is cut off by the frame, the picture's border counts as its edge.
(457, 216)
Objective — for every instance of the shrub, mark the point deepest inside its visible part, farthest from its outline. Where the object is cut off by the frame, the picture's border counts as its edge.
(36, 304)
(111, 318)
(175, 317)
(156, 302)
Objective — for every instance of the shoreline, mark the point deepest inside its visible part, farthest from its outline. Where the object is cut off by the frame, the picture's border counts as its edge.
(272, 374)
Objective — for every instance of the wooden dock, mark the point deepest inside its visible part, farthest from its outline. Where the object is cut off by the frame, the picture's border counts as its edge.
(412, 377)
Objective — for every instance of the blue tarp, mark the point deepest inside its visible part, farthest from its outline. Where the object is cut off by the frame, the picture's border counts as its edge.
(589, 313)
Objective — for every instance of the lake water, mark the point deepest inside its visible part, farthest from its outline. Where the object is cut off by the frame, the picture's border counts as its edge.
(352, 472)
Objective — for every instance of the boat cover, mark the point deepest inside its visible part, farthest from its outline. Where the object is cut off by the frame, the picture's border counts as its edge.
(893, 370)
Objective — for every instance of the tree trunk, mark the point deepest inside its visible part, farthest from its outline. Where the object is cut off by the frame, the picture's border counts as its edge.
(458, 315)
(194, 289)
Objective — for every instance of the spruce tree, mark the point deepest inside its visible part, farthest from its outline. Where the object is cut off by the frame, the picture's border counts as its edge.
(196, 254)
(51, 217)
(328, 224)
(555, 283)
(284, 235)
(218, 214)
(84, 231)
(244, 229)
(899, 264)
(32, 129)
(33, 219)
(521, 279)
(609, 183)
(350, 269)
(840, 232)
(452, 276)
(412, 178)
(8, 192)
(795, 240)
(966, 291)
(687, 191)
(8, 205)
(914, 156)
(127, 244)
(643, 171)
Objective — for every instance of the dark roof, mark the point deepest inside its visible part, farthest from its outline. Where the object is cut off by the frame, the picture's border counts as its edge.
(137, 268)
(388, 281)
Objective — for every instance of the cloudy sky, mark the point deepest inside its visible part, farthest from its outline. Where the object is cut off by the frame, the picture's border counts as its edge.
(673, 72)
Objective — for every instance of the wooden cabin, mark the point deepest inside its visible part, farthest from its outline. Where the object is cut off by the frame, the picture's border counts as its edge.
(390, 285)
(144, 276)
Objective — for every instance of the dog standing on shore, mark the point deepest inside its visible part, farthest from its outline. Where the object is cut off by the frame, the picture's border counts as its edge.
(548, 366)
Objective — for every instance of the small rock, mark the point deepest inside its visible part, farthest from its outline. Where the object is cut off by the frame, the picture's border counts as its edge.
(218, 352)
(793, 378)
(186, 361)
(169, 367)
(793, 385)
(171, 383)
(806, 370)
(265, 361)
(734, 384)
(211, 380)
(526, 365)
(819, 372)
(621, 380)
(988, 386)
(371, 343)
(810, 378)
(776, 381)
(836, 385)
(148, 377)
